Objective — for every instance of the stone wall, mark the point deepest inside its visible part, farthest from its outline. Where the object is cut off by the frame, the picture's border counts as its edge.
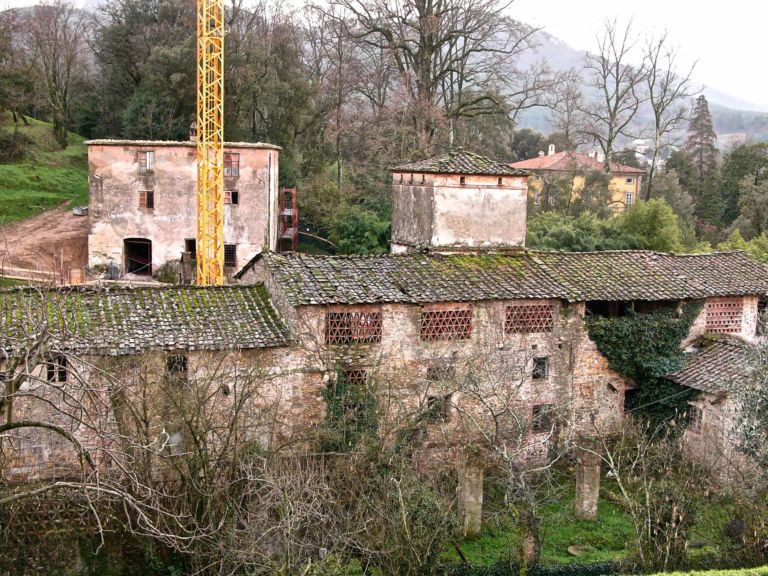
(115, 185)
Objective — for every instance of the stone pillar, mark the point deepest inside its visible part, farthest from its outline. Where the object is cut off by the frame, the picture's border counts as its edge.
(587, 484)
(470, 497)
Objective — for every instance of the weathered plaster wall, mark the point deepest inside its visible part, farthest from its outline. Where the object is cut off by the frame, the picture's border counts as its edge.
(114, 213)
(435, 213)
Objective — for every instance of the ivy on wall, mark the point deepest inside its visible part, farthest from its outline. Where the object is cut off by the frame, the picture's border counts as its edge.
(352, 413)
(645, 347)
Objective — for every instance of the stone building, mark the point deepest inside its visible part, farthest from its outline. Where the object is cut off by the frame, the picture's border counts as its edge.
(142, 199)
(431, 200)
(717, 369)
(473, 334)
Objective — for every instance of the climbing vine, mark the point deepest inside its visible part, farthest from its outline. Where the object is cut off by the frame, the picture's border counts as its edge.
(646, 347)
(352, 413)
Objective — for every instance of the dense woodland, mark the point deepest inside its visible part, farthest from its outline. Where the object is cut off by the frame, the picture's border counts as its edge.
(349, 88)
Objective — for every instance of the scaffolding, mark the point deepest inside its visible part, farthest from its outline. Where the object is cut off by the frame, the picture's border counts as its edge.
(210, 142)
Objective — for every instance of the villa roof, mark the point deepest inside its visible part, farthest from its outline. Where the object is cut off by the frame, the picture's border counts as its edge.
(117, 321)
(569, 161)
(417, 278)
(719, 366)
(461, 161)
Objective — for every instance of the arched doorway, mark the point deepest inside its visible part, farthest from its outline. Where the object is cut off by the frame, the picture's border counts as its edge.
(138, 256)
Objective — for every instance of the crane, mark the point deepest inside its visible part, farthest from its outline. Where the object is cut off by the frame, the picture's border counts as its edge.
(210, 142)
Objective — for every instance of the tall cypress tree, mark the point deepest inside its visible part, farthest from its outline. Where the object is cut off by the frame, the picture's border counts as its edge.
(700, 146)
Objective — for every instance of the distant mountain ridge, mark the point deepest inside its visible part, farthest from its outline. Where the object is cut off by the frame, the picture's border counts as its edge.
(730, 114)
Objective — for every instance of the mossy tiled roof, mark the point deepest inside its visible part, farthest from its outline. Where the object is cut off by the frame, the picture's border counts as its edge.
(116, 321)
(720, 366)
(461, 162)
(415, 278)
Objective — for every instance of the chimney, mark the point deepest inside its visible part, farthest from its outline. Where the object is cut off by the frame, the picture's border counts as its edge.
(591, 153)
(551, 150)
(193, 132)
(541, 153)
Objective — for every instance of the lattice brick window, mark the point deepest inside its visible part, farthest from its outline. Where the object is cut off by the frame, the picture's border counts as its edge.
(446, 322)
(348, 325)
(529, 318)
(355, 377)
(724, 315)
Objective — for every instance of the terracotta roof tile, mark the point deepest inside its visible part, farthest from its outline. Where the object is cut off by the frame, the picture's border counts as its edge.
(414, 278)
(720, 366)
(460, 161)
(116, 321)
(570, 161)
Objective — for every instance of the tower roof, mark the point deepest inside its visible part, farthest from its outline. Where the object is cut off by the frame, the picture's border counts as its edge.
(460, 161)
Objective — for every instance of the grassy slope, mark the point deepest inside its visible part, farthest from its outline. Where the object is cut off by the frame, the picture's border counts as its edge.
(45, 177)
(745, 572)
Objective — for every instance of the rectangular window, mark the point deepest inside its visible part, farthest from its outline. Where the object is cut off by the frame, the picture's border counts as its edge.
(56, 369)
(146, 162)
(462, 180)
(353, 326)
(630, 180)
(694, 419)
(630, 198)
(446, 322)
(542, 418)
(147, 199)
(529, 318)
(190, 247)
(231, 197)
(231, 164)
(724, 315)
(540, 368)
(177, 368)
(438, 408)
(230, 255)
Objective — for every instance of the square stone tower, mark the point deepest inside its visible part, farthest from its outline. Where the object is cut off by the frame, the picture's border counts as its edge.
(458, 201)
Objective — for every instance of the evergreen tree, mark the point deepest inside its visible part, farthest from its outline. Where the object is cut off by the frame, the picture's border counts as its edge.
(745, 160)
(700, 146)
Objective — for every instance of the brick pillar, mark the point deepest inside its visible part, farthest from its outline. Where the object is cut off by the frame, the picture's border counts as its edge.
(587, 484)
(470, 501)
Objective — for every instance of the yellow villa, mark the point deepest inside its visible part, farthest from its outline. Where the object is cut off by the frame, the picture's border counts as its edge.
(625, 181)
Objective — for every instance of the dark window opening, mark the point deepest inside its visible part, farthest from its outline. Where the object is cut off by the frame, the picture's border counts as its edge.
(649, 306)
(190, 247)
(230, 255)
(438, 408)
(231, 164)
(462, 180)
(177, 368)
(542, 418)
(56, 369)
(630, 399)
(694, 419)
(762, 315)
(147, 199)
(540, 368)
(138, 256)
(231, 197)
(607, 308)
(501, 181)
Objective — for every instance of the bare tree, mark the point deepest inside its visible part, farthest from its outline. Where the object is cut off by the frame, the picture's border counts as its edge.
(667, 94)
(55, 36)
(566, 103)
(620, 85)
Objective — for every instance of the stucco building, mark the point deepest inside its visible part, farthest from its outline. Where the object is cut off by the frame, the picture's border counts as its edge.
(142, 203)
(623, 189)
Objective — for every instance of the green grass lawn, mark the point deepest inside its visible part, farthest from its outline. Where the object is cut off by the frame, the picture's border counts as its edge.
(46, 177)
(610, 537)
(10, 283)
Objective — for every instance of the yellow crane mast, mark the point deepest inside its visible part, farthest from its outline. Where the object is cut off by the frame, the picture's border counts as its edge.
(210, 142)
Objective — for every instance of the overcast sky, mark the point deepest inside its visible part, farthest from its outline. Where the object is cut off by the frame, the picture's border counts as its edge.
(728, 40)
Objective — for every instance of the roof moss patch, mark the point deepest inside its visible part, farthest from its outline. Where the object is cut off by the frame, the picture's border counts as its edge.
(460, 161)
(114, 321)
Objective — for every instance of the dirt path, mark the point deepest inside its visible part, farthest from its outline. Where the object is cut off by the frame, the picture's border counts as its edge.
(40, 242)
